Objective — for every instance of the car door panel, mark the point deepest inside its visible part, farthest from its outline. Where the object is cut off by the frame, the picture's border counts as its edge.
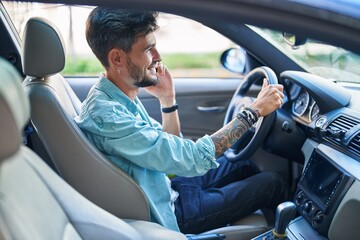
(202, 102)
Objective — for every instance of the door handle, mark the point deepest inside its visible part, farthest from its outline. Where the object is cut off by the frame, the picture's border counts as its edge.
(211, 109)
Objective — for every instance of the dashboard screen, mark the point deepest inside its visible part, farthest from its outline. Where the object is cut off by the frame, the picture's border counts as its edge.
(321, 178)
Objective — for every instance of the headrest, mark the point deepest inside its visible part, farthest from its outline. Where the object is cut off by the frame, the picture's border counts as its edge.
(14, 109)
(43, 49)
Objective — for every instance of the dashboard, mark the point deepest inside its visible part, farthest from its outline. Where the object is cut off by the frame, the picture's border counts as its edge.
(327, 112)
(327, 195)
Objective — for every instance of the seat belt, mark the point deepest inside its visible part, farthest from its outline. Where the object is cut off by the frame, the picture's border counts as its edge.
(29, 129)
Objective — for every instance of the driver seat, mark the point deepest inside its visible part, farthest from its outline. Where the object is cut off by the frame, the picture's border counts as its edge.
(35, 203)
(53, 108)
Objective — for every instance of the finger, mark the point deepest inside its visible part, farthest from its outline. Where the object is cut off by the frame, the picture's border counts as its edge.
(278, 99)
(279, 87)
(159, 68)
(281, 102)
(162, 69)
(265, 83)
(282, 95)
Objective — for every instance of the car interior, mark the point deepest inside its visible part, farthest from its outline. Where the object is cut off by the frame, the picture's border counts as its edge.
(55, 185)
(50, 93)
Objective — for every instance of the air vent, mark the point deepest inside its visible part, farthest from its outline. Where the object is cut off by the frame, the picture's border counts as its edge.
(341, 123)
(354, 145)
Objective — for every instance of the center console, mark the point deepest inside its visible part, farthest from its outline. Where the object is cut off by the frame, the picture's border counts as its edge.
(320, 190)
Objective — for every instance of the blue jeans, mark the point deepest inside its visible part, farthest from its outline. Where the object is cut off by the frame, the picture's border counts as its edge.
(224, 195)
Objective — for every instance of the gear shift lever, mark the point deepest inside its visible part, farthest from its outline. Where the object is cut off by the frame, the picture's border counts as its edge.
(285, 212)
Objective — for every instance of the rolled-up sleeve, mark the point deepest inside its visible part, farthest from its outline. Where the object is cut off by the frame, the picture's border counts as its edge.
(207, 149)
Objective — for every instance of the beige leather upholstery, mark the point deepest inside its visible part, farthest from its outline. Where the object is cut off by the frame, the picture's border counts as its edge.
(14, 114)
(245, 228)
(35, 203)
(53, 108)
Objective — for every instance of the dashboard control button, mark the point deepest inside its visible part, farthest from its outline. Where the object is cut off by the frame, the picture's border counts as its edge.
(307, 206)
(286, 127)
(318, 219)
(320, 122)
(299, 198)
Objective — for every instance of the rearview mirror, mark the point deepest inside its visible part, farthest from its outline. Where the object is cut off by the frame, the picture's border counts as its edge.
(295, 41)
(234, 60)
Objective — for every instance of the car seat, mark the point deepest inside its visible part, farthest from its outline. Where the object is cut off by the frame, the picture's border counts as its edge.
(35, 203)
(53, 108)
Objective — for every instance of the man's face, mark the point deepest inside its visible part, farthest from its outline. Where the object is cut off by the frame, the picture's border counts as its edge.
(142, 61)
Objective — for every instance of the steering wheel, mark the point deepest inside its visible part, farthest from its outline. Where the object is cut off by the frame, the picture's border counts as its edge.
(252, 139)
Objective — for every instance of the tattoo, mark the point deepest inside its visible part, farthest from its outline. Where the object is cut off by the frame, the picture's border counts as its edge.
(228, 135)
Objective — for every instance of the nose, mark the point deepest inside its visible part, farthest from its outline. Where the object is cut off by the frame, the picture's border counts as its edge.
(156, 55)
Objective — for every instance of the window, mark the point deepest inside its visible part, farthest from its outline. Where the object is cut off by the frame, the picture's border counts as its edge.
(188, 48)
(317, 57)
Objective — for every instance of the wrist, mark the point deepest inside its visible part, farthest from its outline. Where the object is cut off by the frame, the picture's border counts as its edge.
(167, 102)
(249, 115)
(256, 110)
(252, 113)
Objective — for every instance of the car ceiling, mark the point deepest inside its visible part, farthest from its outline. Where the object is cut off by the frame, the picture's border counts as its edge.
(290, 16)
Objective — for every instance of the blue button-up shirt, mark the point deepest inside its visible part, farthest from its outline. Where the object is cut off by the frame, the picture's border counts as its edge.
(124, 132)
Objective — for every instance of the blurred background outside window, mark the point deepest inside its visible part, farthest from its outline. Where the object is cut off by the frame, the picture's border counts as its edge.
(188, 48)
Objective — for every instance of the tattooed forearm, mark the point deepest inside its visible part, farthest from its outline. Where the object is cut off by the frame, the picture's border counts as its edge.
(228, 135)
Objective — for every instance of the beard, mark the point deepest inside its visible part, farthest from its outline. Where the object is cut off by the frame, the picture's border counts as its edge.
(140, 77)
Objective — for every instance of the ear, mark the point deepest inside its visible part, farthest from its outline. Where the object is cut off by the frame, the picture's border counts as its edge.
(116, 58)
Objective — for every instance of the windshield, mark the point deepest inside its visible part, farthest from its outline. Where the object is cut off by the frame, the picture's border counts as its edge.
(319, 58)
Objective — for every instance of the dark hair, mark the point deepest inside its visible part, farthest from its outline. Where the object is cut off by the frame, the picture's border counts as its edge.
(108, 28)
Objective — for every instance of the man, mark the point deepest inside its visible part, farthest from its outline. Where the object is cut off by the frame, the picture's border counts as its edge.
(115, 121)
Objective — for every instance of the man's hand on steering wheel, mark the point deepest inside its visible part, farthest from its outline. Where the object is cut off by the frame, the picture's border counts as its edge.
(238, 139)
(269, 99)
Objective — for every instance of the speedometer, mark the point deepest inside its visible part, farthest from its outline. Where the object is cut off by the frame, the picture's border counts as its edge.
(314, 111)
(301, 103)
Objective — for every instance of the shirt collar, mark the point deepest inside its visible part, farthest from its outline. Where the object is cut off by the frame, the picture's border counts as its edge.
(115, 93)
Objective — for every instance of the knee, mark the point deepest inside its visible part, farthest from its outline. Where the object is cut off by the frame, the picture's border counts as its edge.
(274, 177)
(276, 182)
(279, 184)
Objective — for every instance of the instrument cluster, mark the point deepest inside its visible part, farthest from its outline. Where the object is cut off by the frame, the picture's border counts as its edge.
(305, 107)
